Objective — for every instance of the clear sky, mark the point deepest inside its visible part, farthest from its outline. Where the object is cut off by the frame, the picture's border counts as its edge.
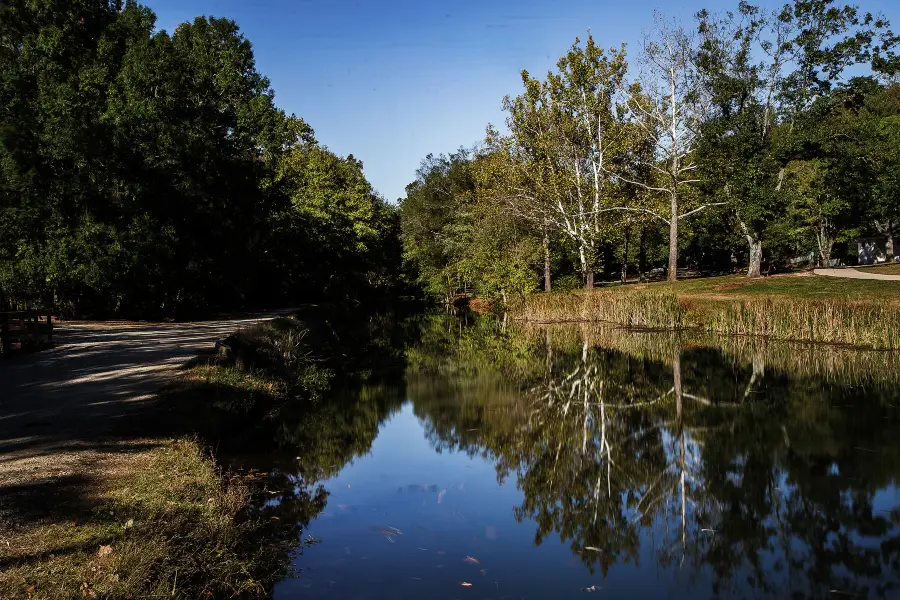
(390, 81)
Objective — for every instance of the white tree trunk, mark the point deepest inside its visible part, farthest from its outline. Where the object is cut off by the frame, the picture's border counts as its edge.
(673, 241)
(889, 246)
(754, 270)
(586, 271)
(546, 258)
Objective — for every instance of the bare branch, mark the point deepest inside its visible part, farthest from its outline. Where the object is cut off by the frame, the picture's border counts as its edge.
(696, 210)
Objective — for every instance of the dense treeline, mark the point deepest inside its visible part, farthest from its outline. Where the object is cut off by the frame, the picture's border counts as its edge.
(150, 173)
(749, 138)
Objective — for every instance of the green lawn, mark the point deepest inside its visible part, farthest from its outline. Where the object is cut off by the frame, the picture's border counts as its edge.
(888, 269)
(800, 286)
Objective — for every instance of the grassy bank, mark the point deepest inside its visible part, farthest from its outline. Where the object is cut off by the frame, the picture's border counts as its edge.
(158, 518)
(858, 312)
(158, 523)
(888, 269)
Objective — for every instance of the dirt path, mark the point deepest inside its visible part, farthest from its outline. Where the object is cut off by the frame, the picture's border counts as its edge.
(66, 411)
(854, 274)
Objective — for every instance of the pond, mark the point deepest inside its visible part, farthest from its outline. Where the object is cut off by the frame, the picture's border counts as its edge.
(512, 462)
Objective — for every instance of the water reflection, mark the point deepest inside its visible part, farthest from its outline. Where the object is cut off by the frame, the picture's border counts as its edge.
(678, 466)
(744, 479)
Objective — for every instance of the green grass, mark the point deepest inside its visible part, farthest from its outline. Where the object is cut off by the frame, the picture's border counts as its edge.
(856, 312)
(164, 523)
(793, 286)
(888, 269)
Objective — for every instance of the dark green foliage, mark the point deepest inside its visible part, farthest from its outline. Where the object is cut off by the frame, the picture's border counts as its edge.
(143, 173)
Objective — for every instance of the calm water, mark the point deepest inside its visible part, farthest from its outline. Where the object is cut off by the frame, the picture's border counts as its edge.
(554, 463)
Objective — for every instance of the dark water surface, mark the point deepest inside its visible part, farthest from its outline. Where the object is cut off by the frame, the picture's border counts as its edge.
(554, 463)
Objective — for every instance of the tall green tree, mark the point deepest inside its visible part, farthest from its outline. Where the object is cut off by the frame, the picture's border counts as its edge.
(570, 131)
(150, 173)
(437, 223)
(763, 71)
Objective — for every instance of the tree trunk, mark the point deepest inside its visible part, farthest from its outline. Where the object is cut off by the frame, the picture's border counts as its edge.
(754, 269)
(642, 254)
(546, 259)
(586, 269)
(673, 241)
(889, 245)
(826, 243)
(825, 246)
(625, 260)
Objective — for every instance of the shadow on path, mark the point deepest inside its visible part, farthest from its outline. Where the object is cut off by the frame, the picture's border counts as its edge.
(65, 411)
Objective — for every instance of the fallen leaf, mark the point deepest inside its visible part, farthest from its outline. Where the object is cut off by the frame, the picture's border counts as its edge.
(465, 584)
(104, 551)
(594, 548)
(471, 560)
(129, 523)
(29, 589)
(593, 588)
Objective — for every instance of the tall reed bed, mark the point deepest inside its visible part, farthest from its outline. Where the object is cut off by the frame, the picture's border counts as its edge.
(871, 325)
(638, 309)
(866, 324)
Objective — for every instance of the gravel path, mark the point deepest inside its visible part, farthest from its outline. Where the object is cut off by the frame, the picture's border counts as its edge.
(65, 411)
(854, 274)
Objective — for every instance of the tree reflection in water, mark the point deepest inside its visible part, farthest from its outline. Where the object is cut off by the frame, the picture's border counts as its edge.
(754, 467)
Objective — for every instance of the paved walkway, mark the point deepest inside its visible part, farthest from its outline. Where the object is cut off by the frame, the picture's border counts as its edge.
(854, 274)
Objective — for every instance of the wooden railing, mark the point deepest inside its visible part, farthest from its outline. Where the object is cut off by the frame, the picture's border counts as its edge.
(27, 329)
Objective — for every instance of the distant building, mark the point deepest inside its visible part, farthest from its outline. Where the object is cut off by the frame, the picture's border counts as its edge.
(873, 250)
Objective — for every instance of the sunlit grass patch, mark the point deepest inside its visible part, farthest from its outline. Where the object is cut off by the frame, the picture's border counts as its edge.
(886, 269)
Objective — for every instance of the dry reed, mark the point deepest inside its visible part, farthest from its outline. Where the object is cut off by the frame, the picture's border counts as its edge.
(865, 324)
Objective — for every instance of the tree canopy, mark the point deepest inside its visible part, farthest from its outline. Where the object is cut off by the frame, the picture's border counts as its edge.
(739, 138)
(144, 172)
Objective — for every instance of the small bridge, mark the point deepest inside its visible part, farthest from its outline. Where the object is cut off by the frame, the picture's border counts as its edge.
(25, 330)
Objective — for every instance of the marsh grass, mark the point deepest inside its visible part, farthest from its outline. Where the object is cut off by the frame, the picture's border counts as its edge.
(638, 309)
(163, 523)
(870, 324)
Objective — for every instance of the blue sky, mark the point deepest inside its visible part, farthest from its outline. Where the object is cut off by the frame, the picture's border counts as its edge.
(390, 81)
